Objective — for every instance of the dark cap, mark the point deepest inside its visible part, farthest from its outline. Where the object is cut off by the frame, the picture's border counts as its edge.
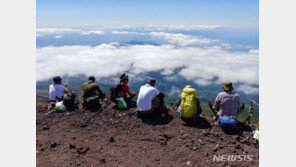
(151, 81)
(57, 79)
(123, 77)
(92, 78)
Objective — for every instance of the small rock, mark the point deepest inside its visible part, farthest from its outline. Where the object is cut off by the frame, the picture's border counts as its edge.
(216, 148)
(163, 143)
(78, 164)
(42, 149)
(72, 146)
(82, 150)
(188, 163)
(111, 139)
(103, 161)
(46, 128)
(194, 148)
(238, 146)
(54, 144)
(73, 138)
(83, 125)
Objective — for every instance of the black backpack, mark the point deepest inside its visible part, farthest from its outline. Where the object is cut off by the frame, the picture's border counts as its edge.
(70, 101)
(91, 103)
(115, 91)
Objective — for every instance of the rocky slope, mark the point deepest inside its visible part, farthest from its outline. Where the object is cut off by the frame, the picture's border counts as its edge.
(120, 138)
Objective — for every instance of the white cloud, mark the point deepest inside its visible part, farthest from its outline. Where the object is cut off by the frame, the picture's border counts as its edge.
(249, 90)
(98, 32)
(167, 72)
(127, 33)
(174, 90)
(181, 39)
(43, 31)
(180, 27)
(164, 27)
(58, 36)
(204, 66)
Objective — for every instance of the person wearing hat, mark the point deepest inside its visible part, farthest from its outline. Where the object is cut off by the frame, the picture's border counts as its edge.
(125, 91)
(189, 91)
(91, 89)
(56, 90)
(150, 100)
(227, 103)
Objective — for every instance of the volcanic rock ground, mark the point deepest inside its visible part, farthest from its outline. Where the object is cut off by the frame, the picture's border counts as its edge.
(120, 138)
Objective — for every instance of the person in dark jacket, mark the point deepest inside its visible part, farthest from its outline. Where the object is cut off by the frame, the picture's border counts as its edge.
(91, 91)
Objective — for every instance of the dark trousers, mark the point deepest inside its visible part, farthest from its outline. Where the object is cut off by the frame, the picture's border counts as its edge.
(157, 107)
(130, 103)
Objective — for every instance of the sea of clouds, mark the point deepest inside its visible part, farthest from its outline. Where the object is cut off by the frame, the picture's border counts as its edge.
(208, 63)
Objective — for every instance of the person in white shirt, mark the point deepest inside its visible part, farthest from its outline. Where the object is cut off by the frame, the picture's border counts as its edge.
(150, 100)
(56, 91)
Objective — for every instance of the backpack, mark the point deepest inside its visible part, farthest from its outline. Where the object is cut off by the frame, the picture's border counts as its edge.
(92, 103)
(227, 123)
(70, 101)
(115, 91)
(188, 103)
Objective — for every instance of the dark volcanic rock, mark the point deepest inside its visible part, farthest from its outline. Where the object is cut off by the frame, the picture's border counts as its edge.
(72, 146)
(111, 139)
(82, 150)
(53, 144)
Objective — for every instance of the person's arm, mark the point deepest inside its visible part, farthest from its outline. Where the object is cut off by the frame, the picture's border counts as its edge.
(66, 88)
(198, 105)
(179, 101)
(126, 88)
(102, 94)
(217, 103)
(240, 106)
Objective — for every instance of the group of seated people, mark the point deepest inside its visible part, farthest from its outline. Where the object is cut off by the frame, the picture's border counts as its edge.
(150, 101)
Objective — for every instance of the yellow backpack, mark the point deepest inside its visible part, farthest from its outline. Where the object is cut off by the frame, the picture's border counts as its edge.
(188, 103)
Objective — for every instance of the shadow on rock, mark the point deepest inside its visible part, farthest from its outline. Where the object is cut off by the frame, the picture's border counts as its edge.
(239, 129)
(200, 123)
(157, 120)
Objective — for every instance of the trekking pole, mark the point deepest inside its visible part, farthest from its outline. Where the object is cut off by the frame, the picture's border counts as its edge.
(252, 133)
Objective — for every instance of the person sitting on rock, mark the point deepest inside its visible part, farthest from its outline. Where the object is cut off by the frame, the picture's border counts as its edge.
(150, 101)
(227, 103)
(125, 91)
(188, 104)
(92, 94)
(57, 90)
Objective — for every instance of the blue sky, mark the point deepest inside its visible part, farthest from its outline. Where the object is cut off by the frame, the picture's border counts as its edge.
(87, 13)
